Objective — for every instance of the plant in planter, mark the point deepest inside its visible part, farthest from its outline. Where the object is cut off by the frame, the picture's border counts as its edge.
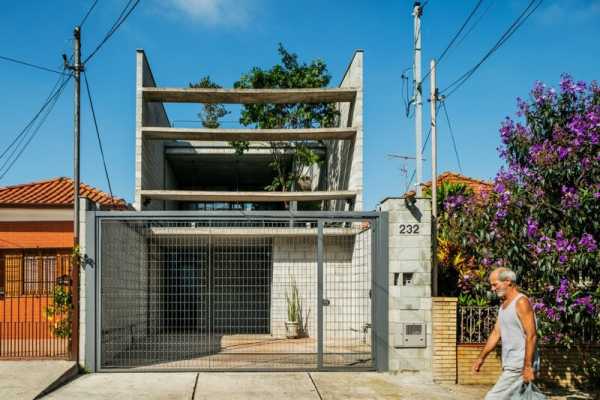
(295, 327)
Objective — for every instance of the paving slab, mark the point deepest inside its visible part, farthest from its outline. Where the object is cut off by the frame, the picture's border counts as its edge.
(28, 379)
(130, 386)
(381, 386)
(255, 386)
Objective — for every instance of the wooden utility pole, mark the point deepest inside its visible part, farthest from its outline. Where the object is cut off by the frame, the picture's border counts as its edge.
(77, 68)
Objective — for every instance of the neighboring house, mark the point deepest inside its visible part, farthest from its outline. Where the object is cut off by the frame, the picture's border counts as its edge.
(477, 185)
(36, 242)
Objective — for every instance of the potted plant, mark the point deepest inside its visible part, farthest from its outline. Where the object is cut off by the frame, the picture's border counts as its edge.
(293, 325)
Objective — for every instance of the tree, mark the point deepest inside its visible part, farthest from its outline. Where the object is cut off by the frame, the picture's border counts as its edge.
(287, 75)
(210, 114)
(540, 219)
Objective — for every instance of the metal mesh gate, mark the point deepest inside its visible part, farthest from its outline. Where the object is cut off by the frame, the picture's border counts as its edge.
(234, 293)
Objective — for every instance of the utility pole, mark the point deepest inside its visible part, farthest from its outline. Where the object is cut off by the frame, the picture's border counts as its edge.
(77, 67)
(434, 210)
(417, 12)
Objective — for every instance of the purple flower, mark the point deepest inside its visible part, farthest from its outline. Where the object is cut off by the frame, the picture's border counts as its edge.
(562, 259)
(586, 301)
(570, 198)
(539, 306)
(569, 87)
(506, 130)
(587, 241)
(563, 152)
(532, 227)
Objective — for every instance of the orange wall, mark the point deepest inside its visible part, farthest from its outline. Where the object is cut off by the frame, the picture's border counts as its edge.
(24, 317)
(47, 234)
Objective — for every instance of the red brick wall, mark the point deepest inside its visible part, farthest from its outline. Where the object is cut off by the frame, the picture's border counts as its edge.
(453, 363)
(48, 234)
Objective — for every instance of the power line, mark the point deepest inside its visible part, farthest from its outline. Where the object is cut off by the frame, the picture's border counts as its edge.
(456, 35)
(14, 60)
(474, 25)
(87, 14)
(89, 93)
(519, 21)
(39, 118)
(452, 136)
(118, 22)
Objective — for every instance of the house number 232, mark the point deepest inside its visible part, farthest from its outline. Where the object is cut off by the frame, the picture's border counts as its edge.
(409, 229)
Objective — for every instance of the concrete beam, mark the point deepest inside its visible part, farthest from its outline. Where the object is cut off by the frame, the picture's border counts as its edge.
(252, 232)
(255, 135)
(265, 197)
(248, 96)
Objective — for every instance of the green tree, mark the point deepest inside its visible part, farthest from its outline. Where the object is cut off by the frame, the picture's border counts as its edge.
(211, 114)
(288, 75)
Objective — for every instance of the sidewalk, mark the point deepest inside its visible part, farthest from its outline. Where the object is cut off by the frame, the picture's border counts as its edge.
(27, 379)
(257, 386)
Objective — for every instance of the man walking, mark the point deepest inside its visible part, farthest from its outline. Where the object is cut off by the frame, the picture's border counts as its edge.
(517, 328)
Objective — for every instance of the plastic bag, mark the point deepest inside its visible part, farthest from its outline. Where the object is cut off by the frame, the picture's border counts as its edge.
(528, 391)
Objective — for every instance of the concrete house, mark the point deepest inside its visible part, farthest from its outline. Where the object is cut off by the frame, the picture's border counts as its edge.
(212, 271)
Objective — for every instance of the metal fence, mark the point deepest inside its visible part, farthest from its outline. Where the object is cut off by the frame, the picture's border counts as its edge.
(235, 293)
(476, 323)
(32, 324)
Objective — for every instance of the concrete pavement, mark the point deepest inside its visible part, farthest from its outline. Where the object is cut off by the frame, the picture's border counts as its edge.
(25, 380)
(258, 386)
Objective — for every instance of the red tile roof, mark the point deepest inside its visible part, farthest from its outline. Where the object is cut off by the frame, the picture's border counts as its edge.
(478, 186)
(57, 192)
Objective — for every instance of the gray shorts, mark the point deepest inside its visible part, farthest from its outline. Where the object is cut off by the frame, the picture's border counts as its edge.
(509, 381)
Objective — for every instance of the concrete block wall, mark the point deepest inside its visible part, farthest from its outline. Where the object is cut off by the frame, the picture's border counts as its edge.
(410, 302)
(124, 283)
(347, 281)
(344, 157)
(149, 154)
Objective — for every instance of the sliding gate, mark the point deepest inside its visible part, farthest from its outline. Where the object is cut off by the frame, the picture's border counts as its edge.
(249, 291)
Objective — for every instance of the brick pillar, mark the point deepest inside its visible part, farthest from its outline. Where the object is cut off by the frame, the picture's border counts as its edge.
(444, 339)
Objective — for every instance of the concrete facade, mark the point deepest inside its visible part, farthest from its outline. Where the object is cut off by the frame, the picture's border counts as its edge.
(181, 163)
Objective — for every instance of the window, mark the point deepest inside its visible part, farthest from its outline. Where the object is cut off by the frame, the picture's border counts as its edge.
(29, 273)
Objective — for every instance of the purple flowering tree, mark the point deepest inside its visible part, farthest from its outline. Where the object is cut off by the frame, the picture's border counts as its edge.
(542, 217)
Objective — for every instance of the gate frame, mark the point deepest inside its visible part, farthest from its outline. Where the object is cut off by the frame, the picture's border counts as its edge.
(379, 278)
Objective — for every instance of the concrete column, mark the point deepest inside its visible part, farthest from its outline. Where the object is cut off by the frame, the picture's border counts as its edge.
(409, 281)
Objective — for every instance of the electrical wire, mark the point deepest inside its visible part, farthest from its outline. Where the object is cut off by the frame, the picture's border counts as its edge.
(456, 35)
(87, 14)
(452, 136)
(14, 60)
(21, 142)
(474, 25)
(89, 93)
(519, 21)
(127, 10)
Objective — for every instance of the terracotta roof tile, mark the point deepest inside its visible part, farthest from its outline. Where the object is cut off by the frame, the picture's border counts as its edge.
(57, 192)
(477, 185)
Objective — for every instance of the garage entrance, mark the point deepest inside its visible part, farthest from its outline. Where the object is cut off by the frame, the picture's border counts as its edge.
(225, 291)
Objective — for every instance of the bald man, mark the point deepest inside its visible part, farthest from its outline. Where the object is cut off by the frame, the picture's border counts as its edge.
(517, 328)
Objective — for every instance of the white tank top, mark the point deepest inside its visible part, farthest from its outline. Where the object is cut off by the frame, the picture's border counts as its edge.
(513, 337)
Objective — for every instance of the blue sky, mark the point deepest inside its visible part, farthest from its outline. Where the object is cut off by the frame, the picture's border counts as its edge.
(186, 39)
